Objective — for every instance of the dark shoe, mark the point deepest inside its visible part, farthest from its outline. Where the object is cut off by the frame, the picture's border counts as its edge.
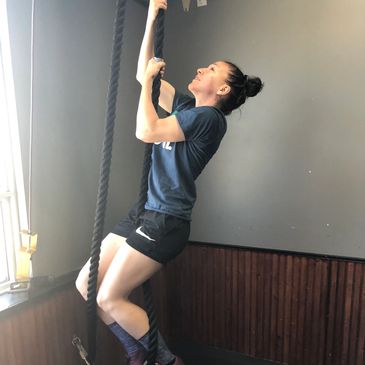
(138, 358)
(177, 361)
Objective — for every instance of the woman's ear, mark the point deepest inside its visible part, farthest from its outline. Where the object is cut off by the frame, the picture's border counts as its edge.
(224, 90)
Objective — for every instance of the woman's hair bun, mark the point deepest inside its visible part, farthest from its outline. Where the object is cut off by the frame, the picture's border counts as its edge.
(253, 86)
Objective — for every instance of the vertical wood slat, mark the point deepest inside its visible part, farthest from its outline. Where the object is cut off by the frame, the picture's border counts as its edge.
(308, 327)
(348, 290)
(274, 307)
(287, 308)
(293, 329)
(267, 306)
(356, 315)
(253, 307)
(361, 336)
(246, 300)
(234, 298)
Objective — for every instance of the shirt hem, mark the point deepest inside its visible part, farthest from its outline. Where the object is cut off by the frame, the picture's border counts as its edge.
(165, 211)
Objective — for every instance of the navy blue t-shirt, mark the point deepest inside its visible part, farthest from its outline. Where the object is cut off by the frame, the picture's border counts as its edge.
(176, 165)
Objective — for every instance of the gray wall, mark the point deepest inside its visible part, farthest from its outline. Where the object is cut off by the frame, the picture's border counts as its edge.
(290, 171)
(72, 57)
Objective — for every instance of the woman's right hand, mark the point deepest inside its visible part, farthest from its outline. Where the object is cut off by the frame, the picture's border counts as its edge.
(154, 7)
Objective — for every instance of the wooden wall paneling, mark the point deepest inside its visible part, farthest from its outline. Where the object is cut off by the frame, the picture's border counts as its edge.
(299, 345)
(224, 300)
(246, 307)
(354, 322)
(237, 301)
(348, 301)
(199, 280)
(308, 321)
(339, 304)
(274, 306)
(3, 350)
(281, 308)
(252, 306)
(259, 304)
(214, 305)
(241, 295)
(203, 302)
(293, 327)
(180, 295)
(317, 313)
(176, 285)
(37, 352)
(214, 276)
(324, 292)
(56, 319)
(290, 308)
(9, 349)
(211, 287)
(331, 309)
(361, 335)
(357, 310)
(60, 334)
(212, 296)
(228, 290)
(267, 292)
(18, 343)
(187, 298)
(287, 307)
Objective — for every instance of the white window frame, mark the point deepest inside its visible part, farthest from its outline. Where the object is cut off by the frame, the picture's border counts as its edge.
(13, 214)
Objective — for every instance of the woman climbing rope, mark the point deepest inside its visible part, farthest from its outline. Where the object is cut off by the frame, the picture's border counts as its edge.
(184, 142)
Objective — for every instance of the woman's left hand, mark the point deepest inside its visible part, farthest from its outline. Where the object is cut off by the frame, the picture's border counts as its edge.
(155, 66)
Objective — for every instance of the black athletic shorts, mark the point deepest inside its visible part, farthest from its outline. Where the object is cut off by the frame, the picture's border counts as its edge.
(157, 235)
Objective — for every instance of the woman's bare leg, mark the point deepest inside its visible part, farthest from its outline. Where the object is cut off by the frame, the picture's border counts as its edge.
(109, 248)
(128, 270)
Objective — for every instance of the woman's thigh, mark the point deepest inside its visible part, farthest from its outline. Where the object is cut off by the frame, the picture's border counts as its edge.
(128, 270)
(108, 250)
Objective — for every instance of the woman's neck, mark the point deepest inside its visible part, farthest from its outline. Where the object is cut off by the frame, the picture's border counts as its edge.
(207, 101)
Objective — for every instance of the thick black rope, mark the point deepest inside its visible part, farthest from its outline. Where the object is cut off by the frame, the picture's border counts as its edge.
(104, 178)
(104, 183)
(158, 48)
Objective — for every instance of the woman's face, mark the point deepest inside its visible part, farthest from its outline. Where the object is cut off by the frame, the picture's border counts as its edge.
(209, 80)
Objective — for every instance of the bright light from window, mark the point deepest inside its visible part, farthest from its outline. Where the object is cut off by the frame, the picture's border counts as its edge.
(12, 199)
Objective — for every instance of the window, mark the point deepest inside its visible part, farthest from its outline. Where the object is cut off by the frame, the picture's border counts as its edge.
(12, 198)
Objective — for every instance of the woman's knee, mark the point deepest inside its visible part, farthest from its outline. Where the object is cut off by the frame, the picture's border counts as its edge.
(103, 301)
(109, 247)
(108, 301)
(81, 287)
(82, 281)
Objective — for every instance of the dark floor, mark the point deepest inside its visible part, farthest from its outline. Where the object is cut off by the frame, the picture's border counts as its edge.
(193, 354)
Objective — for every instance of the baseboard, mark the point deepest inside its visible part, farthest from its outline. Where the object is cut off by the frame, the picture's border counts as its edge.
(194, 354)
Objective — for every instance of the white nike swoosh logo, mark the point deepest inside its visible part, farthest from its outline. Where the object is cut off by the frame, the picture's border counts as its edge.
(138, 230)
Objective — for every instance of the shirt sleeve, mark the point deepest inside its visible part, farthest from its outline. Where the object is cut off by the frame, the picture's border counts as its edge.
(201, 123)
(182, 101)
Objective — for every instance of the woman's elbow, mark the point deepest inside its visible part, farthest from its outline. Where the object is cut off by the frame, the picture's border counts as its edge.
(139, 135)
(143, 136)
(139, 77)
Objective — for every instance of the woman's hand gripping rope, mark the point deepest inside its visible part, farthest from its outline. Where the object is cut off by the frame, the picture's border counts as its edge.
(155, 65)
(154, 7)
